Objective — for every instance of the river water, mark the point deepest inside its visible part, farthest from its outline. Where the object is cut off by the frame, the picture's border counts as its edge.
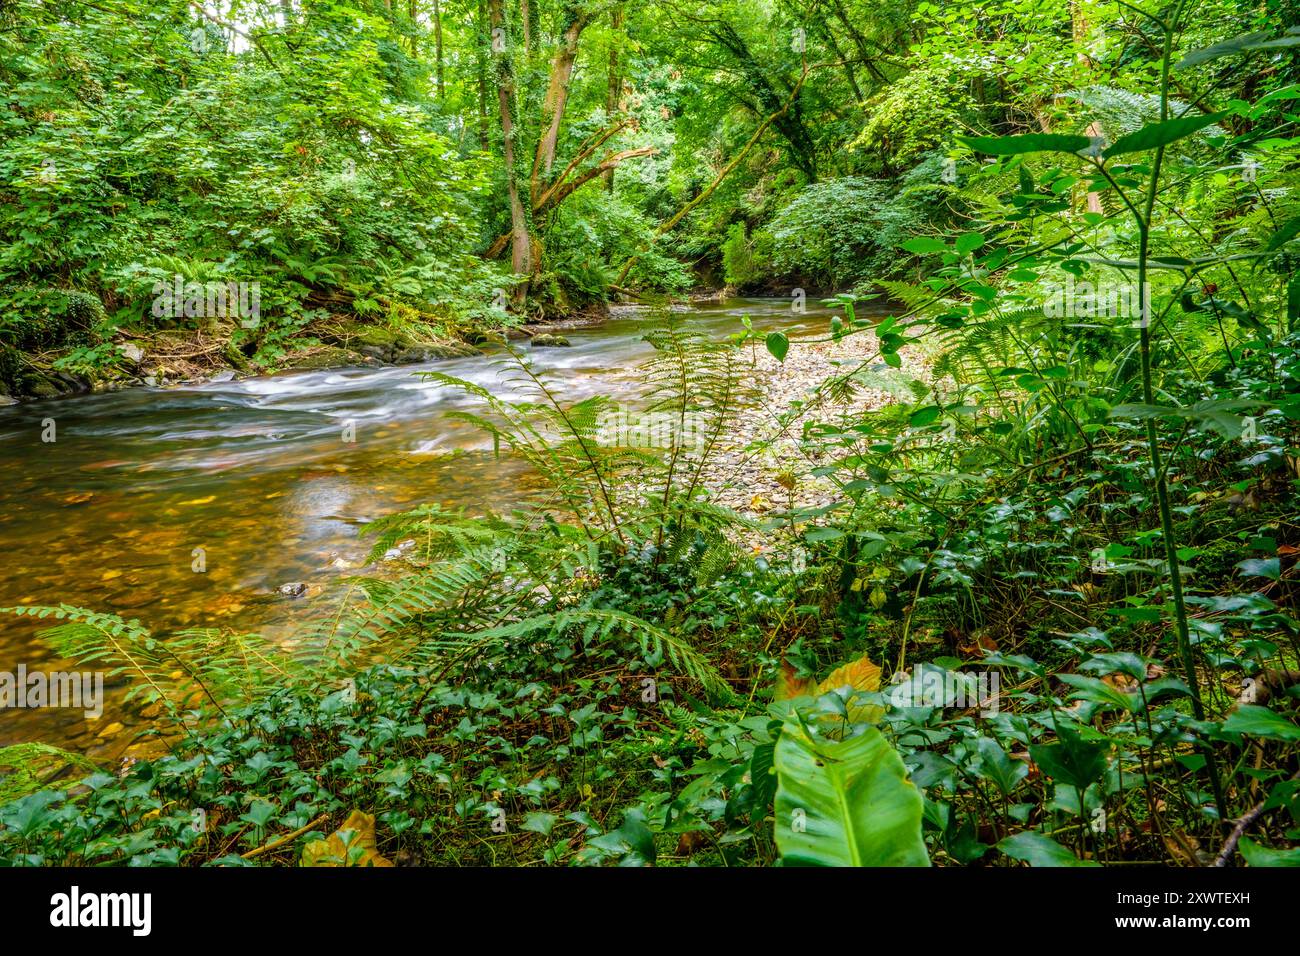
(192, 506)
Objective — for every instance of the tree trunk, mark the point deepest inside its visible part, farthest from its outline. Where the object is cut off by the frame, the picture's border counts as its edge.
(1081, 28)
(521, 252)
(557, 97)
(437, 48)
(615, 88)
(484, 44)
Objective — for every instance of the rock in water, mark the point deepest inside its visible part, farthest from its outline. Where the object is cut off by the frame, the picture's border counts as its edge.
(546, 340)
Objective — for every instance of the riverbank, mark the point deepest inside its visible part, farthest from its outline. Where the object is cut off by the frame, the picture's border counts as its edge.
(161, 358)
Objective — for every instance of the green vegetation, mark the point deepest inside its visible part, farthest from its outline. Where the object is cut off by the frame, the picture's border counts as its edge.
(1048, 615)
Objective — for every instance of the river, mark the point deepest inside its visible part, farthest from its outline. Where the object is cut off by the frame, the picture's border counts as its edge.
(195, 505)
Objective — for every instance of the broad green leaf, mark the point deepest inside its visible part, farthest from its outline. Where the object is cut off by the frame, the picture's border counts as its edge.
(998, 767)
(1255, 721)
(845, 803)
(1036, 849)
(1247, 43)
(924, 416)
(778, 345)
(923, 245)
(1257, 855)
(1261, 568)
(1285, 233)
(537, 822)
(1160, 134)
(1029, 143)
(1071, 761)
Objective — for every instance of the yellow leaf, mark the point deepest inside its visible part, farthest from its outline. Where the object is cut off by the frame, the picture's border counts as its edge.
(201, 501)
(790, 685)
(861, 676)
(340, 848)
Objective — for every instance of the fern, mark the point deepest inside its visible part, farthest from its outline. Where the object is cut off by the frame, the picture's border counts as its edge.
(595, 624)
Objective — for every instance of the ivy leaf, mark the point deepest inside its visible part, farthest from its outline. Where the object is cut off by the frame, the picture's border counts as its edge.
(1071, 761)
(998, 767)
(1261, 568)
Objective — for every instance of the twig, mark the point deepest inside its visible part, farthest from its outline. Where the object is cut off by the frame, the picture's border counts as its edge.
(281, 841)
(1243, 824)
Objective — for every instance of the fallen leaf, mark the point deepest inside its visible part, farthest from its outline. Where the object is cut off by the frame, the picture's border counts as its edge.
(352, 844)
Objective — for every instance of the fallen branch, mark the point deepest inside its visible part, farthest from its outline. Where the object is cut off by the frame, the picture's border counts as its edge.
(1238, 831)
(281, 841)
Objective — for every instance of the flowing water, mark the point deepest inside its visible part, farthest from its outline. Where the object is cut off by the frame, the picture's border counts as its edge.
(192, 506)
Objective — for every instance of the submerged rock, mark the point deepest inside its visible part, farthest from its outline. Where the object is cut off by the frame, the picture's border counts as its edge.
(323, 358)
(547, 340)
(433, 351)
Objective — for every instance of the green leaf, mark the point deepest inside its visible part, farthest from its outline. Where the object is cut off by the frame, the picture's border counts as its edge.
(845, 803)
(1038, 850)
(1261, 568)
(998, 767)
(1288, 231)
(1072, 760)
(539, 823)
(1029, 143)
(1160, 134)
(1246, 43)
(1257, 855)
(1255, 721)
(924, 416)
(969, 242)
(778, 345)
(924, 245)
(1293, 301)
